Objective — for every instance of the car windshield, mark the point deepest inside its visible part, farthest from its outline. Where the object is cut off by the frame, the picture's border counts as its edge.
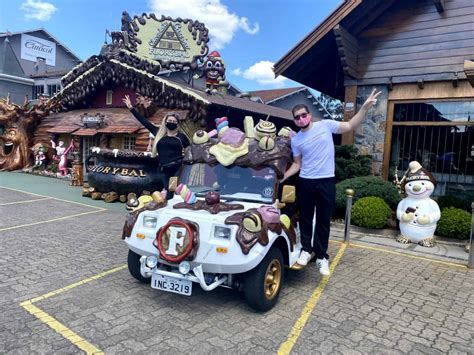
(233, 183)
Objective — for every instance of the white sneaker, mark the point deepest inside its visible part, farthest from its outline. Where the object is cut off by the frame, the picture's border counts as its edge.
(304, 258)
(323, 265)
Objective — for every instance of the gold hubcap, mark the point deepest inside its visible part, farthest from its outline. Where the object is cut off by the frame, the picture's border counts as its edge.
(272, 279)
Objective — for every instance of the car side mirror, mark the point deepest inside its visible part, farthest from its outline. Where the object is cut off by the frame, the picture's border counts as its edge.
(288, 195)
(173, 183)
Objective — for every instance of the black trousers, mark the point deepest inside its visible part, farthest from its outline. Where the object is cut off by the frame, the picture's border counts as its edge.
(166, 174)
(319, 194)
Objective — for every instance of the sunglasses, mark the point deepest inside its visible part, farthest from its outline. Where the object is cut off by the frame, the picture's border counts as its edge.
(303, 115)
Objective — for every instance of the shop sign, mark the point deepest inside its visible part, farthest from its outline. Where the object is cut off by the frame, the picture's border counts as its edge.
(33, 48)
(168, 41)
(89, 121)
(117, 171)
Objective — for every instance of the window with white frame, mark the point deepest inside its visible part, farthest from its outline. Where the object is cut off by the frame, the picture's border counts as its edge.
(53, 89)
(37, 90)
(129, 142)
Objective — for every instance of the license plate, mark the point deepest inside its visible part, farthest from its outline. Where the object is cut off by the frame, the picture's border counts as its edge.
(171, 284)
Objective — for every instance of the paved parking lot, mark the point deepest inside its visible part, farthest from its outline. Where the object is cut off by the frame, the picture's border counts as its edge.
(65, 289)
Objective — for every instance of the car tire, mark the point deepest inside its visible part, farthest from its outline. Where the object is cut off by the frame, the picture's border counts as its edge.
(133, 262)
(262, 285)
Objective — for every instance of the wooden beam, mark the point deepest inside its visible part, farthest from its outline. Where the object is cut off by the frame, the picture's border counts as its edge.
(388, 142)
(371, 16)
(469, 71)
(439, 5)
(348, 49)
(350, 102)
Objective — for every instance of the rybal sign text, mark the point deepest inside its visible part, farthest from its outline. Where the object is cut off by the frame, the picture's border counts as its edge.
(117, 171)
(33, 48)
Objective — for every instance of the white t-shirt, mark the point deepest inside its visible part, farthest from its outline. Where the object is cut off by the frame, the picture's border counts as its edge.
(316, 148)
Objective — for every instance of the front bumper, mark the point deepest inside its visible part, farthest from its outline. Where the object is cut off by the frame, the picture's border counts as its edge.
(196, 275)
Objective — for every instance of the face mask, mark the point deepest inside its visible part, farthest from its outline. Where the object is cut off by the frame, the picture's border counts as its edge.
(171, 126)
(303, 122)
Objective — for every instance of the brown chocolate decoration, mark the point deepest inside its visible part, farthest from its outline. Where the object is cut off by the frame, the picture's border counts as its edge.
(130, 221)
(278, 158)
(214, 209)
(247, 239)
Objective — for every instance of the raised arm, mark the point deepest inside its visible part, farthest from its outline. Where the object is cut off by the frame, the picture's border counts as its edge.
(143, 120)
(356, 121)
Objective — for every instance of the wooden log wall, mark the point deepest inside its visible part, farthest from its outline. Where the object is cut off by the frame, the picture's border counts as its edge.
(413, 39)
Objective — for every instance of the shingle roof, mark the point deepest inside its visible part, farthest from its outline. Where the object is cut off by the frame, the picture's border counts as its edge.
(8, 62)
(270, 95)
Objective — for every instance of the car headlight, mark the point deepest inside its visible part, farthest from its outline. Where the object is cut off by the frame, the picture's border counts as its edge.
(151, 261)
(184, 267)
(222, 232)
(149, 221)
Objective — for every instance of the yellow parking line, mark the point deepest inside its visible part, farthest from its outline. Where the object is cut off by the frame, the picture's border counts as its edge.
(56, 325)
(62, 330)
(407, 255)
(384, 250)
(75, 284)
(51, 220)
(14, 203)
(287, 346)
(53, 198)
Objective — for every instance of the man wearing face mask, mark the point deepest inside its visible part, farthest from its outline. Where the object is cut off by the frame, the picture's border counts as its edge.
(313, 158)
(168, 144)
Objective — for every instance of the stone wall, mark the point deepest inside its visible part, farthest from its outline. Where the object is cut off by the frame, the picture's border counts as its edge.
(370, 136)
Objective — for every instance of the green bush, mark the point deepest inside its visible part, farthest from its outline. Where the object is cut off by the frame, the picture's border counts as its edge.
(454, 223)
(370, 212)
(366, 186)
(350, 164)
(453, 201)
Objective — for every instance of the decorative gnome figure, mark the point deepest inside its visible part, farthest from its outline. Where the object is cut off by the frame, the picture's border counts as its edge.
(418, 213)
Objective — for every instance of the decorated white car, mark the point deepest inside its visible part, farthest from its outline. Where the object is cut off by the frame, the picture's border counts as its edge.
(226, 225)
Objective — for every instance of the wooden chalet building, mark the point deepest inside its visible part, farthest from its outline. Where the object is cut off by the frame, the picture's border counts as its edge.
(92, 113)
(420, 55)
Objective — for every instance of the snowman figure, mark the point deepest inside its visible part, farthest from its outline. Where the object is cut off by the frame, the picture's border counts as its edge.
(418, 213)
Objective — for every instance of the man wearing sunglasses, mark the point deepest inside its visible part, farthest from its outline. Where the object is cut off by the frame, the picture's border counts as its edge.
(313, 158)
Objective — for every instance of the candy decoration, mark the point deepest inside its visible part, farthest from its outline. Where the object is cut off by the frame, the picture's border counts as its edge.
(265, 128)
(200, 137)
(285, 220)
(266, 143)
(286, 132)
(212, 133)
(186, 194)
(269, 214)
(249, 127)
(158, 197)
(221, 124)
(252, 222)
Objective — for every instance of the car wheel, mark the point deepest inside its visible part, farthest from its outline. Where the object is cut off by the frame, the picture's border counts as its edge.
(133, 262)
(262, 285)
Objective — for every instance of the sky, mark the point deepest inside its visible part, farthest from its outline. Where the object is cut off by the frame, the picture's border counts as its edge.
(250, 35)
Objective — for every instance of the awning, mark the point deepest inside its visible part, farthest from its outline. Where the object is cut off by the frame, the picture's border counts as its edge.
(62, 129)
(85, 132)
(119, 129)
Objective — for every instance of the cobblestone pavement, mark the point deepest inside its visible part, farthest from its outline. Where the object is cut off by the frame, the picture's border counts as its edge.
(375, 302)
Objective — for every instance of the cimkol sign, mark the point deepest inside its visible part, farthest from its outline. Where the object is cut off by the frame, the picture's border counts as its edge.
(35, 47)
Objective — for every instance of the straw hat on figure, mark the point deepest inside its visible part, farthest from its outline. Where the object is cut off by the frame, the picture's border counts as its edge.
(418, 213)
